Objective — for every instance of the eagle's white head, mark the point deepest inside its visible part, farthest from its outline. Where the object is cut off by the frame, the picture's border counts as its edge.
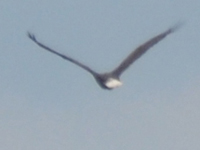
(113, 83)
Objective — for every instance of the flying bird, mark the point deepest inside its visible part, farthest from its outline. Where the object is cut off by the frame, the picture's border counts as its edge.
(111, 80)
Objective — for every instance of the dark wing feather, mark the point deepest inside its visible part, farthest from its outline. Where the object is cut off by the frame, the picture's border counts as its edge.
(141, 50)
(32, 37)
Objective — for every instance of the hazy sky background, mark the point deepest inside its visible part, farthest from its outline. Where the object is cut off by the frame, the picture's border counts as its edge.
(47, 103)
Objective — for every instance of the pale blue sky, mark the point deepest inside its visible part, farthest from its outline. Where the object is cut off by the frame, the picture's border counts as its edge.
(47, 103)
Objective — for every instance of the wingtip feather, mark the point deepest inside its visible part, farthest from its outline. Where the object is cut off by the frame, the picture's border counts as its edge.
(177, 26)
(31, 36)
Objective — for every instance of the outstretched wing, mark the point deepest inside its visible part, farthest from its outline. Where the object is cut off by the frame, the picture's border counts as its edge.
(32, 37)
(141, 50)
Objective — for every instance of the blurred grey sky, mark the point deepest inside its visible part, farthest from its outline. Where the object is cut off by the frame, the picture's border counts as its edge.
(47, 103)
